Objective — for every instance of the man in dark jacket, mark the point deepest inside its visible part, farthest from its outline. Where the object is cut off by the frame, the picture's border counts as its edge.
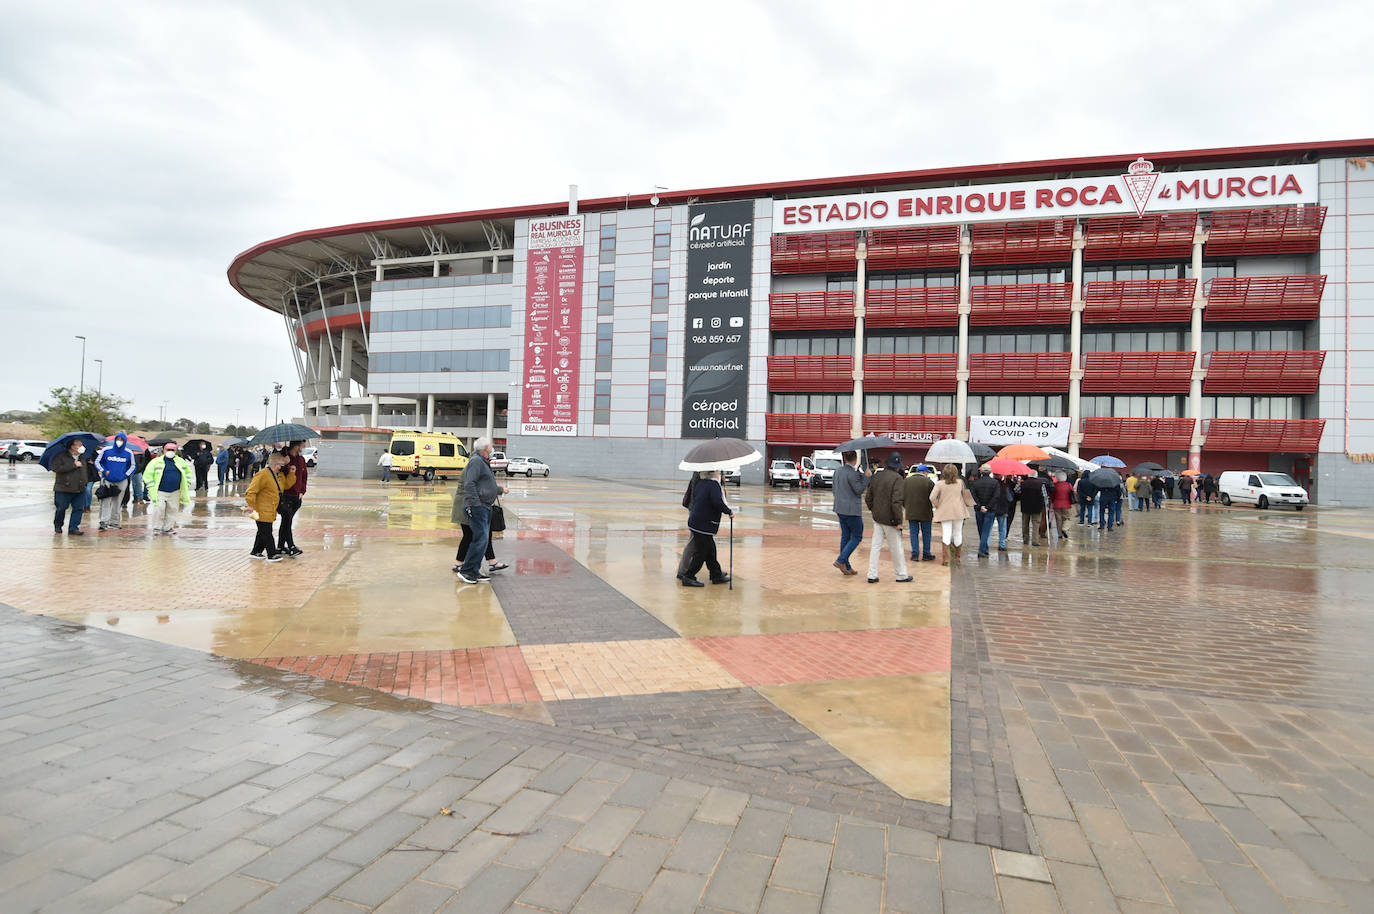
(1031, 491)
(916, 501)
(885, 497)
(291, 499)
(848, 489)
(69, 487)
(480, 491)
(204, 459)
(1087, 499)
(703, 522)
(987, 492)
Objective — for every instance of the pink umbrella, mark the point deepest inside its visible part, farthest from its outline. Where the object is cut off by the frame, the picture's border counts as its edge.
(1005, 466)
(135, 442)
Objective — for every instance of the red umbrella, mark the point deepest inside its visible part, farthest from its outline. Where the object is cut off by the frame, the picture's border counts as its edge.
(135, 442)
(1005, 466)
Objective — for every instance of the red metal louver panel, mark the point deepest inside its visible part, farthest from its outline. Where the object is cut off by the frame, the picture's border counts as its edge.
(908, 248)
(824, 252)
(1264, 298)
(1277, 371)
(1019, 372)
(1155, 372)
(932, 427)
(810, 373)
(1275, 230)
(1145, 434)
(1050, 241)
(819, 429)
(935, 306)
(1138, 300)
(1027, 303)
(1167, 236)
(902, 373)
(810, 310)
(1271, 435)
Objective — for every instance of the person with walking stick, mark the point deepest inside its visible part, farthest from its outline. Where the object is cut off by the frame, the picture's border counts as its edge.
(703, 521)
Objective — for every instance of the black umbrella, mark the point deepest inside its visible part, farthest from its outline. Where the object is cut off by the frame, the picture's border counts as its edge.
(719, 454)
(194, 446)
(1055, 462)
(286, 431)
(982, 452)
(159, 442)
(865, 443)
(1150, 467)
(1104, 478)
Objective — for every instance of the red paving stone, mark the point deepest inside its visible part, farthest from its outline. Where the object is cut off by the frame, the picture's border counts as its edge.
(822, 656)
(479, 676)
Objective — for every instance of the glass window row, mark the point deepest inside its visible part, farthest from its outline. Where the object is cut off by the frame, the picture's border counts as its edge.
(1001, 276)
(441, 319)
(449, 360)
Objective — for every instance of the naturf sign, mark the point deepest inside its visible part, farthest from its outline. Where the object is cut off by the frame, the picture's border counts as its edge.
(1140, 190)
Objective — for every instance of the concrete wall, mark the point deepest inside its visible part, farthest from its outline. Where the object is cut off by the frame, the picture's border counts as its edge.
(633, 458)
(349, 459)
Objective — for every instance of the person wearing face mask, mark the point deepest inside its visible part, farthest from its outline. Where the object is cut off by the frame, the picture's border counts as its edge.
(169, 486)
(116, 466)
(69, 488)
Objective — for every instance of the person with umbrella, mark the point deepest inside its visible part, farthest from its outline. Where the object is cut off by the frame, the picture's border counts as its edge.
(116, 466)
(988, 495)
(1086, 493)
(69, 486)
(848, 489)
(951, 500)
(264, 498)
(169, 484)
(1108, 485)
(1061, 502)
(703, 522)
(919, 512)
(291, 496)
(1030, 491)
(886, 497)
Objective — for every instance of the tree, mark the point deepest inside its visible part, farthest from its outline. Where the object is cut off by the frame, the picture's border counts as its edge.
(185, 425)
(202, 428)
(84, 411)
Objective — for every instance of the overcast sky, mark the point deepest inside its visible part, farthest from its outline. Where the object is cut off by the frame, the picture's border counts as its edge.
(145, 144)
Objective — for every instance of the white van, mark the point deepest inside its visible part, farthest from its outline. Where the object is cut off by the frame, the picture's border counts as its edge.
(1261, 489)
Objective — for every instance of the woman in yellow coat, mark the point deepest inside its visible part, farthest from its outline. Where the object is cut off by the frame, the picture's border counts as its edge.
(263, 496)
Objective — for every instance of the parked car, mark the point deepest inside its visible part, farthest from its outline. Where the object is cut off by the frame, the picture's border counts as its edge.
(1261, 489)
(529, 466)
(784, 473)
(499, 462)
(729, 476)
(310, 454)
(433, 455)
(28, 450)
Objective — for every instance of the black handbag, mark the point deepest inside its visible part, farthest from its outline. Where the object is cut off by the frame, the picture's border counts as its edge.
(498, 519)
(106, 490)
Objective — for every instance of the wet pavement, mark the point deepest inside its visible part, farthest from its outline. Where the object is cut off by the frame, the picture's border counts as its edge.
(1174, 715)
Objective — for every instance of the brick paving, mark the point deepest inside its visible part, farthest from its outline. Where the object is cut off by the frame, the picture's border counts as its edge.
(817, 656)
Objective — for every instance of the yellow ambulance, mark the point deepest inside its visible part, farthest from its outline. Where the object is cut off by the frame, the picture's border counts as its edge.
(427, 454)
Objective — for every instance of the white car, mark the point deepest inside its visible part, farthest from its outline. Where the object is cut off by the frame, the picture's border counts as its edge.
(528, 466)
(28, 450)
(729, 476)
(1261, 489)
(498, 462)
(311, 456)
(784, 473)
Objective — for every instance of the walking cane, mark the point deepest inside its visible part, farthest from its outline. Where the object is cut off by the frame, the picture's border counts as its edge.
(732, 552)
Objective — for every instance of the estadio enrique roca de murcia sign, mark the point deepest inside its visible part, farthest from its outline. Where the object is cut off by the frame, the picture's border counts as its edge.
(1140, 190)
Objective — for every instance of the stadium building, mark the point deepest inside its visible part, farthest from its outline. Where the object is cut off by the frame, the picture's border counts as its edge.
(1206, 308)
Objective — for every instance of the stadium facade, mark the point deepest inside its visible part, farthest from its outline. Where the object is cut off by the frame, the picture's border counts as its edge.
(1204, 308)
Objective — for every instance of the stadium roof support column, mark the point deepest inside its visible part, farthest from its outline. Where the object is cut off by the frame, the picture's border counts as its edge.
(295, 350)
(312, 372)
(429, 413)
(322, 361)
(961, 396)
(491, 416)
(856, 419)
(1076, 344)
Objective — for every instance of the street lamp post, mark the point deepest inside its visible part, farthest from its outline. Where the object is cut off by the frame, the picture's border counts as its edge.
(82, 388)
(276, 410)
(100, 378)
(266, 402)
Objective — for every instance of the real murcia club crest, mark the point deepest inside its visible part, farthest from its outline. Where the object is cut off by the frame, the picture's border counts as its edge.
(1140, 181)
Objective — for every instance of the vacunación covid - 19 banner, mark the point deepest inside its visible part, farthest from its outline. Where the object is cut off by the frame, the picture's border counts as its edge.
(720, 261)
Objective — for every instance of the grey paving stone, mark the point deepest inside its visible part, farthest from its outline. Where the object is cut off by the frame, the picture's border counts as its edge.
(640, 789)
(141, 904)
(606, 829)
(1020, 866)
(1246, 889)
(560, 884)
(361, 783)
(912, 842)
(802, 866)
(738, 882)
(582, 800)
(1028, 897)
(384, 877)
(635, 863)
(672, 892)
(303, 889)
(967, 868)
(492, 891)
(537, 848)
(860, 849)
(1323, 857)
(1082, 889)
(115, 886)
(284, 828)
(1289, 874)
(1209, 842)
(602, 899)
(813, 824)
(502, 784)
(469, 858)
(370, 843)
(278, 864)
(562, 774)
(699, 847)
(229, 894)
(722, 806)
(913, 884)
(1130, 874)
(188, 880)
(1173, 858)
(781, 901)
(94, 862)
(850, 893)
(667, 816)
(760, 831)
(361, 813)
(443, 793)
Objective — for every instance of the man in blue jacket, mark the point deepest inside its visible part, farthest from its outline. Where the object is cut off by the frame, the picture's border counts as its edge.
(703, 522)
(115, 465)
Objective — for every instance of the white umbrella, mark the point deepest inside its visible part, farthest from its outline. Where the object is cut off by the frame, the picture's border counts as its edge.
(719, 454)
(950, 450)
(1084, 466)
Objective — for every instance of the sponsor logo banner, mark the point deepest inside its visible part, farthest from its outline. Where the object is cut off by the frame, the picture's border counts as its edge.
(1138, 191)
(998, 431)
(720, 262)
(553, 326)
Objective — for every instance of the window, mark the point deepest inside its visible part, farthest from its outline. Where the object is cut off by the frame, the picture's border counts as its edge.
(1014, 405)
(1031, 341)
(1004, 276)
(601, 410)
(811, 403)
(608, 243)
(603, 346)
(403, 448)
(912, 280)
(445, 449)
(663, 233)
(659, 295)
(658, 391)
(840, 283)
(605, 292)
(658, 346)
(1247, 339)
(1213, 269)
(813, 345)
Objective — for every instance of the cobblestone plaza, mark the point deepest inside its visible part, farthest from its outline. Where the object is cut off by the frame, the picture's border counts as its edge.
(1173, 716)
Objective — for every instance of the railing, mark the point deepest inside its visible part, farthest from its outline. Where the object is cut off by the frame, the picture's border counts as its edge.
(1274, 230)
(1154, 372)
(1264, 298)
(1166, 236)
(1109, 432)
(810, 373)
(1295, 371)
(904, 373)
(811, 310)
(933, 306)
(1270, 435)
(1138, 300)
(913, 248)
(822, 252)
(1050, 241)
(1026, 303)
(1019, 372)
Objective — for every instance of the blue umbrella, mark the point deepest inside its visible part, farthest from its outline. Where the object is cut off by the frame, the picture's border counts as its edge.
(58, 445)
(1107, 460)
